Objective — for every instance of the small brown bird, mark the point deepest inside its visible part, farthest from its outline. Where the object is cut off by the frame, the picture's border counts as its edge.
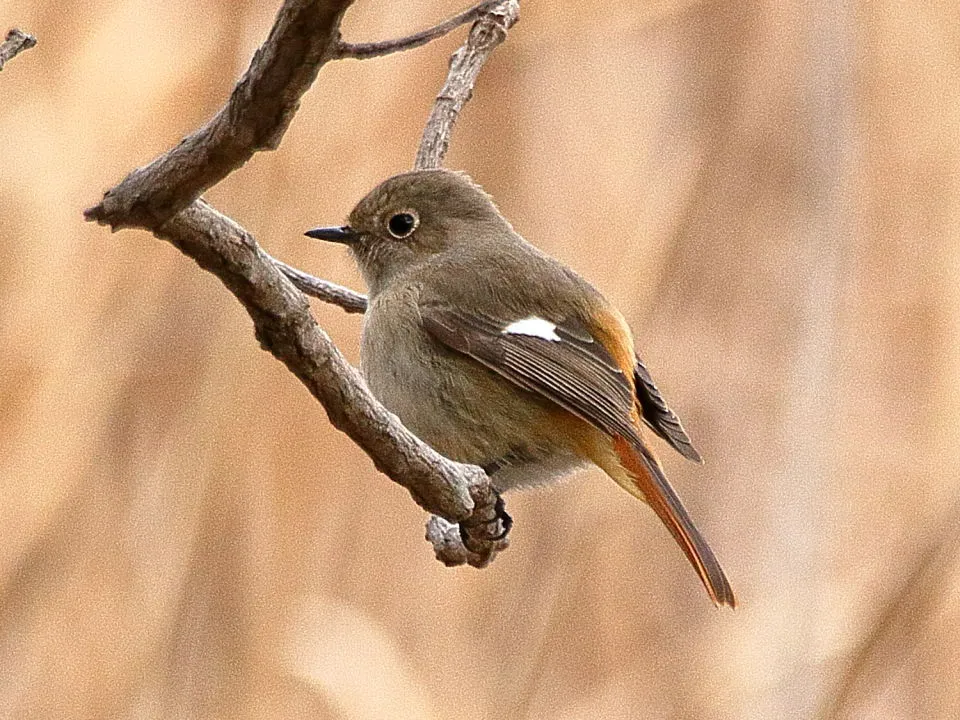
(498, 355)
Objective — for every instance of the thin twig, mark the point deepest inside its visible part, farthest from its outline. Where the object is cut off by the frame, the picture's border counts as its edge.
(15, 43)
(899, 625)
(350, 300)
(465, 65)
(362, 51)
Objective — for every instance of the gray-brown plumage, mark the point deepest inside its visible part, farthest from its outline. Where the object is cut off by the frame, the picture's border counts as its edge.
(498, 355)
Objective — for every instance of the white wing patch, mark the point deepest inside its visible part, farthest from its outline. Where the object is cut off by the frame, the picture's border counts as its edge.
(533, 326)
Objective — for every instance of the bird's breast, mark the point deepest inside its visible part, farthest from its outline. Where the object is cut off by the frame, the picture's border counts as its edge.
(450, 401)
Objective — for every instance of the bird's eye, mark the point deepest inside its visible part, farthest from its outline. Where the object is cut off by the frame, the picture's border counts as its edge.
(402, 224)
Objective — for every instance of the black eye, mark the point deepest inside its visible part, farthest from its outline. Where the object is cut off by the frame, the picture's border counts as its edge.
(402, 224)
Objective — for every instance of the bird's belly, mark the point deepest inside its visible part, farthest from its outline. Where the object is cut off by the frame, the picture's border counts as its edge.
(536, 472)
(463, 410)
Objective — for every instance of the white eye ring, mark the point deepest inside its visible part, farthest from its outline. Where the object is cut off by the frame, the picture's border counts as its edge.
(402, 224)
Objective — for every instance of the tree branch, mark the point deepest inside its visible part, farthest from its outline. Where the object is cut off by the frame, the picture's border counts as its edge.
(162, 198)
(350, 300)
(303, 38)
(465, 65)
(285, 328)
(15, 43)
(362, 51)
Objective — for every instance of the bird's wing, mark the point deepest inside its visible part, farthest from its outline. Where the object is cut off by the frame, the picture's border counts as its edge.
(660, 418)
(560, 361)
(563, 362)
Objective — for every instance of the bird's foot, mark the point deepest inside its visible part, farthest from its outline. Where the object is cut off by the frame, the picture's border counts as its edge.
(489, 524)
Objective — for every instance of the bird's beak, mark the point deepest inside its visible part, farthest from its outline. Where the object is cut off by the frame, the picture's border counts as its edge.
(344, 234)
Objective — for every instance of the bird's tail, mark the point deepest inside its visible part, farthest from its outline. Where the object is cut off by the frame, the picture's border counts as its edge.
(639, 474)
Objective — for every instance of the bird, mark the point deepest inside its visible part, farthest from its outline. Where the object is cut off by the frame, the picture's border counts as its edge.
(498, 355)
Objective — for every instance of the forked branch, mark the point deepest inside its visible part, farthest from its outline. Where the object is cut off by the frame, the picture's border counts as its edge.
(163, 197)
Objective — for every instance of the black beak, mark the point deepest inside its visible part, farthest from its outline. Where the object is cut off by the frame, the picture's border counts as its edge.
(345, 234)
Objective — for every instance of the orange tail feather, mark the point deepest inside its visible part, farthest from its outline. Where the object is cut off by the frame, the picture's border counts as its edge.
(647, 481)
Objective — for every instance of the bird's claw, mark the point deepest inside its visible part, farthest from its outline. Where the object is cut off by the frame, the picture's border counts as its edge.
(478, 533)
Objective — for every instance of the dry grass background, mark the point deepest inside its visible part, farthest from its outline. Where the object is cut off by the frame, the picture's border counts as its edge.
(769, 190)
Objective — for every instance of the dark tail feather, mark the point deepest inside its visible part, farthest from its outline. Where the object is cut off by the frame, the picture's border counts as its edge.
(660, 418)
(650, 484)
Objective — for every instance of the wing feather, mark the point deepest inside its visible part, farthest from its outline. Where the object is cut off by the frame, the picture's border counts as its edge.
(578, 375)
(660, 418)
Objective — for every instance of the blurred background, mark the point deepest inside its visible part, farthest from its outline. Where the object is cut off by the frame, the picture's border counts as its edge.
(769, 190)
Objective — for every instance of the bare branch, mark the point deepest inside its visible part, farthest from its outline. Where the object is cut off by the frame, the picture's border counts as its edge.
(447, 543)
(362, 51)
(465, 65)
(303, 39)
(285, 328)
(15, 43)
(162, 197)
(350, 300)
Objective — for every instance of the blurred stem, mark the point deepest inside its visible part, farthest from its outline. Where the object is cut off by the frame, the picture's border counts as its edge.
(900, 625)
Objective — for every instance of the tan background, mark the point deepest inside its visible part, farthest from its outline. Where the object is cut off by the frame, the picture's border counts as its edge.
(769, 190)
